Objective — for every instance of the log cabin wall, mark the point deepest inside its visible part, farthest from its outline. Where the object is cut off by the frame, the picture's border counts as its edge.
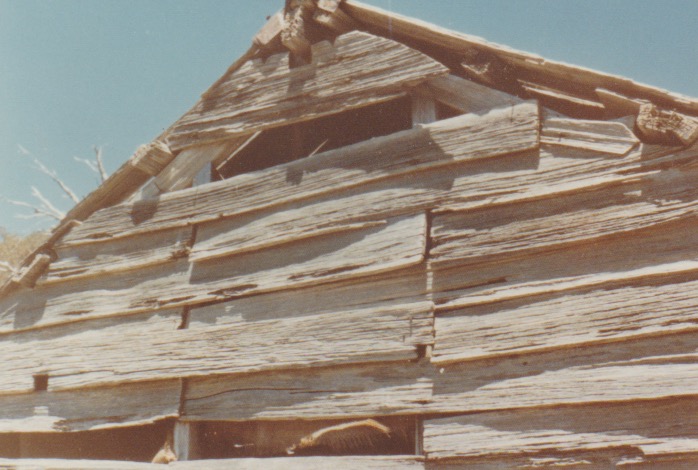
(507, 281)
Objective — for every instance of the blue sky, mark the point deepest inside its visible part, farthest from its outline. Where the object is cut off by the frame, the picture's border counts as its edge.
(115, 73)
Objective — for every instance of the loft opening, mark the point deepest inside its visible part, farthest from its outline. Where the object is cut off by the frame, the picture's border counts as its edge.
(303, 438)
(287, 143)
(284, 144)
(130, 443)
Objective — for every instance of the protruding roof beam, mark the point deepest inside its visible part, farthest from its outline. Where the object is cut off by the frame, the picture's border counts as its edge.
(662, 126)
(297, 17)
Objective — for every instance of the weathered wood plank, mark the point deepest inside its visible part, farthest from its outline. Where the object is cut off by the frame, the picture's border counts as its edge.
(570, 104)
(614, 432)
(393, 245)
(265, 94)
(92, 408)
(579, 216)
(338, 392)
(597, 136)
(355, 209)
(658, 254)
(555, 170)
(462, 388)
(394, 287)
(566, 321)
(74, 356)
(460, 139)
(479, 385)
(468, 96)
(96, 259)
(618, 105)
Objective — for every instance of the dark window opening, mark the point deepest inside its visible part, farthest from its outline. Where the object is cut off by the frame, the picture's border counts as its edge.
(133, 443)
(287, 143)
(256, 439)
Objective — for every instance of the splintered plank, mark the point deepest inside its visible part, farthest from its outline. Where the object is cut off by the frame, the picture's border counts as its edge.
(659, 255)
(566, 321)
(552, 171)
(597, 136)
(526, 382)
(107, 352)
(338, 392)
(600, 434)
(570, 104)
(393, 287)
(357, 209)
(393, 244)
(457, 140)
(577, 217)
(92, 408)
(97, 259)
(358, 69)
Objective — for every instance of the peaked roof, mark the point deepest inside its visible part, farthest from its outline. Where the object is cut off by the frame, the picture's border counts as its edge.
(573, 90)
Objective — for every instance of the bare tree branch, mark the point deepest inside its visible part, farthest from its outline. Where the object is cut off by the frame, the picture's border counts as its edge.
(46, 209)
(96, 165)
(51, 174)
(46, 203)
(88, 163)
(100, 164)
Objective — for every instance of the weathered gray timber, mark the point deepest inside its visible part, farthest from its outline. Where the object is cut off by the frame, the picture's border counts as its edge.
(264, 94)
(503, 283)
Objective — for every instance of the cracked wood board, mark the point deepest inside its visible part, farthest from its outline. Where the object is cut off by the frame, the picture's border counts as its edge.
(87, 355)
(392, 245)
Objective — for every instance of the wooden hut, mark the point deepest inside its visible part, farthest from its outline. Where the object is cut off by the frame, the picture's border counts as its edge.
(490, 255)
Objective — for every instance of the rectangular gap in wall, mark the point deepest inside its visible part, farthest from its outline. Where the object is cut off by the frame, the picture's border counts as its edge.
(132, 443)
(220, 440)
(287, 143)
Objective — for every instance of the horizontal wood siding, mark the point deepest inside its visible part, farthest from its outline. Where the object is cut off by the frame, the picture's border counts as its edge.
(338, 392)
(154, 349)
(388, 245)
(358, 69)
(602, 434)
(459, 139)
(90, 408)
